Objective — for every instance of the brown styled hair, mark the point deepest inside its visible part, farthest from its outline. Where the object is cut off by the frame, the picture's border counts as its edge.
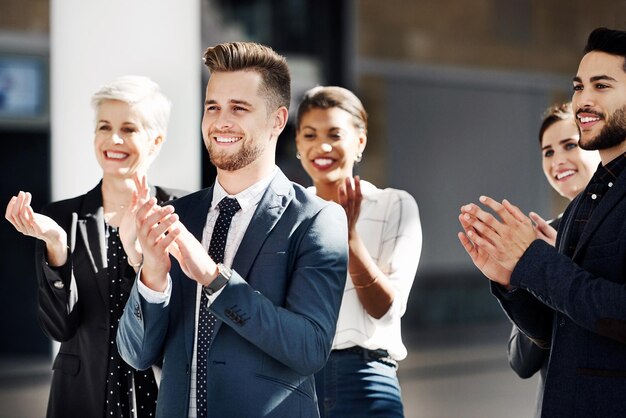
(250, 56)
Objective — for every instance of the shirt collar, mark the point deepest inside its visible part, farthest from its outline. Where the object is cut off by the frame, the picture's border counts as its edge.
(611, 171)
(247, 198)
(368, 190)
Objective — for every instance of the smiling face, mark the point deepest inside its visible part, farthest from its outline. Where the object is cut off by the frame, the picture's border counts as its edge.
(238, 128)
(122, 144)
(567, 167)
(328, 142)
(599, 101)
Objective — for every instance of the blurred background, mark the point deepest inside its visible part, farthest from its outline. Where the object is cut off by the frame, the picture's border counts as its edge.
(455, 90)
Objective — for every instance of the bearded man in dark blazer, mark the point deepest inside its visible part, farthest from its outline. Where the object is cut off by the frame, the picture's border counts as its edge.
(572, 297)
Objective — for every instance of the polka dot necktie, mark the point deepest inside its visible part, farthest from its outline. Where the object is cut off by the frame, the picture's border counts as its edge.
(206, 321)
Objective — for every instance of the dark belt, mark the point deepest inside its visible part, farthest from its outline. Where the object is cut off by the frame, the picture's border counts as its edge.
(379, 355)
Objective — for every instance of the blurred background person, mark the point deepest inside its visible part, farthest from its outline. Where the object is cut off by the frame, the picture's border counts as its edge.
(568, 169)
(87, 256)
(385, 243)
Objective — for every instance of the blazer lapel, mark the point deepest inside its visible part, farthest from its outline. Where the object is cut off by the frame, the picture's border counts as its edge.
(272, 205)
(194, 220)
(563, 236)
(601, 213)
(91, 228)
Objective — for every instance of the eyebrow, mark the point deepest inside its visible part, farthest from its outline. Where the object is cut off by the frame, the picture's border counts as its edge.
(594, 78)
(232, 101)
(127, 122)
(332, 128)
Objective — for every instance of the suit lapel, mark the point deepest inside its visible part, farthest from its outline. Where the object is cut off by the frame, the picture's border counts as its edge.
(268, 212)
(272, 205)
(606, 205)
(563, 236)
(91, 229)
(194, 220)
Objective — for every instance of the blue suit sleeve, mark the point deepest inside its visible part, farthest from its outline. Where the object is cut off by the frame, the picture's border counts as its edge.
(300, 333)
(142, 330)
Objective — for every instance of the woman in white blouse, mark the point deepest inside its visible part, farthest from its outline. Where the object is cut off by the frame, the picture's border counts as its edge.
(385, 240)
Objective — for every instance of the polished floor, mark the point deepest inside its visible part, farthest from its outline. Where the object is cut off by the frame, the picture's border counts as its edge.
(450, 372)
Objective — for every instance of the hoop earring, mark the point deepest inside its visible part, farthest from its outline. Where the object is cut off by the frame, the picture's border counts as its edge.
(358, 157)
(298, 156)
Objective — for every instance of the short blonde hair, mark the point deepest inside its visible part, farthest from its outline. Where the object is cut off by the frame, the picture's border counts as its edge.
(141, 93)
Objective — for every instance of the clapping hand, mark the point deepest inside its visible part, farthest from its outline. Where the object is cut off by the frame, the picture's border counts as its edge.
(350, 198)
(157, 227)
(496, 244)
(543, 229)
(193, 258)
(128, 228)
(28, 222)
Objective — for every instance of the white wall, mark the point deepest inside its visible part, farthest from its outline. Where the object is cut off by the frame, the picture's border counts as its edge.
(95, 41)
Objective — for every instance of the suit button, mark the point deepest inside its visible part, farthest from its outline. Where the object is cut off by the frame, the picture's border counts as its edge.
(58, 284)
(561, 322)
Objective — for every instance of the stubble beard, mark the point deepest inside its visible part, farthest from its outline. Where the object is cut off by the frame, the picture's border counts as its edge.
(232, 162)
(612, 134)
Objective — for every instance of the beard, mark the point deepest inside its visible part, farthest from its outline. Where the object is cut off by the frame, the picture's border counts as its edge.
(612, 134)
(231, 162)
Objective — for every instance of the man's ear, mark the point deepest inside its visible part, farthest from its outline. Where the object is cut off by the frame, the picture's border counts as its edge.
(280, 120)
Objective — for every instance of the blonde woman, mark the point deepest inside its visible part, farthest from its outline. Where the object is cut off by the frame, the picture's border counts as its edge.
(87, 256)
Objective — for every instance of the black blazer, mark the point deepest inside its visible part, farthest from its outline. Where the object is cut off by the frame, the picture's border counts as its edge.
(525, 357)
(79, 370)
(577, 307)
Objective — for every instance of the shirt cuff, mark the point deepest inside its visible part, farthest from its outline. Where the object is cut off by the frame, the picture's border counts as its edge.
(152, 296)
(213, 296)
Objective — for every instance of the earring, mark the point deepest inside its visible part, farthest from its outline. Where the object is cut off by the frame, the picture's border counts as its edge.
(298, 156)
(358, 157)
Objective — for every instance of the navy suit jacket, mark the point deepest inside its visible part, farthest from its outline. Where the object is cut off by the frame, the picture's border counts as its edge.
(577, 307)
(276, 316)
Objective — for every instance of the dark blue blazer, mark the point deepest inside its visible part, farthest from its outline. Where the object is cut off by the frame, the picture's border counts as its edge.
(577, 307)
(277, 315)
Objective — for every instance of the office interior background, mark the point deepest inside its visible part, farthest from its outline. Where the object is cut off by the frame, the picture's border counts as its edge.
(454, 89)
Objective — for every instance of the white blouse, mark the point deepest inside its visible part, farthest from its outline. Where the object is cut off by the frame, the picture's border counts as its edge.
(390, 228)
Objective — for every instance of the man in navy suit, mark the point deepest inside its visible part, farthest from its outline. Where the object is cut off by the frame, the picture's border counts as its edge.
(273, 302)
(572, 297)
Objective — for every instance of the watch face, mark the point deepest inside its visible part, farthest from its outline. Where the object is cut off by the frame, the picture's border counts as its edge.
(224, 271)
(220, 281)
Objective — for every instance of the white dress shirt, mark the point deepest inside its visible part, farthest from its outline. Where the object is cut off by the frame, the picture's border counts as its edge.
(390, 228)
(248, 200)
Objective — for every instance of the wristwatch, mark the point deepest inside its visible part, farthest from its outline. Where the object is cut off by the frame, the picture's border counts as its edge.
(223, 276)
